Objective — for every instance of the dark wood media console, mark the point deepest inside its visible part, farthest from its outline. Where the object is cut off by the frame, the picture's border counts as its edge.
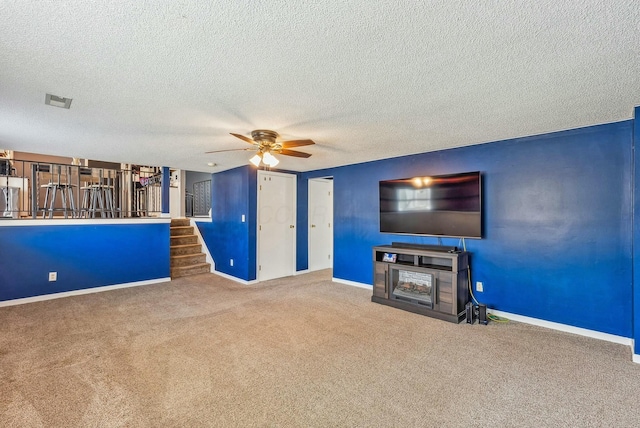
(425, 281)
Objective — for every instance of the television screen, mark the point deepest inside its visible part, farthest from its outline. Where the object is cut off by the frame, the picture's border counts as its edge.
(442, 205)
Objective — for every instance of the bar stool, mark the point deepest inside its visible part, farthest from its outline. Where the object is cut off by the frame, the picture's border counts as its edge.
(55, 187)
(97, 198)
(65, 191)
(10, 201)
(109, 199)
(86, 197)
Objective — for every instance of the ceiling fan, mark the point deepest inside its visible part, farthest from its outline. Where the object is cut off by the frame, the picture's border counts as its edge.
(265, 143)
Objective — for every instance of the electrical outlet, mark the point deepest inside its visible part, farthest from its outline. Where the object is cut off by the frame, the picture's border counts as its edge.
(53, 276)
(230, 262)
(479, 286)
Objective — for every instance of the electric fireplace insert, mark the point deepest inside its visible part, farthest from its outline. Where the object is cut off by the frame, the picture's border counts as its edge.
(414, 287)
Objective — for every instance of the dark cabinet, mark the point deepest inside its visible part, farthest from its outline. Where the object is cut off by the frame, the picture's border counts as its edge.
(425, 281)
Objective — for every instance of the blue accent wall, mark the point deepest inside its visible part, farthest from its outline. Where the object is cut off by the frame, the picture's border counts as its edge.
(557, 209)
(233, 194)
(636, 233)
(84, 256)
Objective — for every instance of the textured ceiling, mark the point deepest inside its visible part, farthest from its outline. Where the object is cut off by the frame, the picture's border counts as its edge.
(162, 82)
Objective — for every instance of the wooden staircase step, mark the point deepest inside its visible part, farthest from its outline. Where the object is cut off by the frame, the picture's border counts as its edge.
(188, 259)
(183, 240)
(180, 222)
(182, 250)
(185, 248)
(181, 230)
(180, 271)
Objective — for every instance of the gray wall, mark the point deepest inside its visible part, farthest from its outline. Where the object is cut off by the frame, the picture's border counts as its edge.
(194, 177)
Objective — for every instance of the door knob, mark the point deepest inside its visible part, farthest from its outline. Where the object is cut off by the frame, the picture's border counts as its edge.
(313, 225)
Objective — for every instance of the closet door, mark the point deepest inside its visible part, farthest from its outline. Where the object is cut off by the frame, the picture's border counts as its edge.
(276, 225)
(320, 224)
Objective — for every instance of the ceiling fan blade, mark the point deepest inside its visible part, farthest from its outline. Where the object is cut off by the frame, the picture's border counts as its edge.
(226, 150)
(242, 137)
(297, 143)
(294, 153)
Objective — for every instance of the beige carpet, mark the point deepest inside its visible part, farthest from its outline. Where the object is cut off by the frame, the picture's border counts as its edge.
(296, 352)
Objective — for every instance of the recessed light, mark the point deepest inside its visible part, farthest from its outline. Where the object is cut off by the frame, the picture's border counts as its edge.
(56, 101)
(211, 164)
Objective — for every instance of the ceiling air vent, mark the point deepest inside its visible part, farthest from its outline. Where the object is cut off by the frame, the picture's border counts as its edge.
(56, 101)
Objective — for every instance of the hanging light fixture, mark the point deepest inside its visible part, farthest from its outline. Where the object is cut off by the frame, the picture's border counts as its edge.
(265, 146)
(256, 160)
(269, 159)
(266, 158)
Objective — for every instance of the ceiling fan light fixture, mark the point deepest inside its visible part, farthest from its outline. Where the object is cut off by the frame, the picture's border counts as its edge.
(270, 160)
(256, 160)
(265, 143)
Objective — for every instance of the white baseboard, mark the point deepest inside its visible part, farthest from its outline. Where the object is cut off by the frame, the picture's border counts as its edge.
(564, 327)
(353, 283)
(233, 278)
(205, 249)
(44, 297)
(537, 322)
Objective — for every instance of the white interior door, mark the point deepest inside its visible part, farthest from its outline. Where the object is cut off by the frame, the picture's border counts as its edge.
(320, 224)
(176, 193)
(276, 225)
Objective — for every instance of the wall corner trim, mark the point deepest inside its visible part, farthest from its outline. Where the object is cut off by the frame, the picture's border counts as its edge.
(233, 278)
(352, 283)
(91, 290)
(207, 219)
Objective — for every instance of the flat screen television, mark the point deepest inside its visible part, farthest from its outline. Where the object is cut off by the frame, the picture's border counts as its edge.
(439, 205)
